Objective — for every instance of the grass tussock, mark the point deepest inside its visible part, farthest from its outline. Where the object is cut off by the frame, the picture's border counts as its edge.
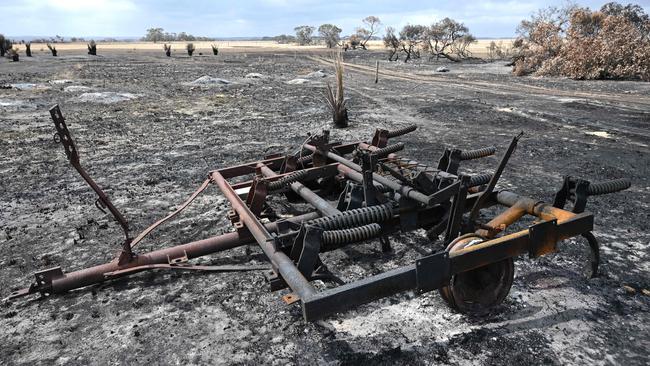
(335, 97)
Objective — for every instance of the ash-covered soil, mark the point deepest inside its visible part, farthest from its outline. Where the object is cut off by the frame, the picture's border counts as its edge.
(149, 135)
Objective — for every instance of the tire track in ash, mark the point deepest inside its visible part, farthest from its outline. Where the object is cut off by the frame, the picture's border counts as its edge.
(630, 101)
(618, 101)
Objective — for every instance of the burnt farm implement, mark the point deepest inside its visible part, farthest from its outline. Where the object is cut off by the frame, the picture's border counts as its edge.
(359, 191)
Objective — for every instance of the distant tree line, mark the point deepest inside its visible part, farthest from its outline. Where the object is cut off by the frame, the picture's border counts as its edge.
(330, 35)
(446, 38)
(159, 35)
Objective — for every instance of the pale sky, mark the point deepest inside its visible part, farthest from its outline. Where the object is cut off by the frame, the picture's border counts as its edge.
(247, 18)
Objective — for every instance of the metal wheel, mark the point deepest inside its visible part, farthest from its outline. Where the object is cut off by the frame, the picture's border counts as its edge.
(477, 291)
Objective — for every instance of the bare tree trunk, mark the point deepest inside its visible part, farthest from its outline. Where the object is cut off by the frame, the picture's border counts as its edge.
(376, 72)
(449, 57)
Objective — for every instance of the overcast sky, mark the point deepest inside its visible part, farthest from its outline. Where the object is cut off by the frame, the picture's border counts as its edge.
(247, 18)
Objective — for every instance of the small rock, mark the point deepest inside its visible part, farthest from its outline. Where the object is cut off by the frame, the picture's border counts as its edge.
(60, 81)
(629, 290)
(442, 69)
(254, 75)
(315, 75)
(29, 86)
(297, 81)
(106, 97)
(209, 80)
(76, 88)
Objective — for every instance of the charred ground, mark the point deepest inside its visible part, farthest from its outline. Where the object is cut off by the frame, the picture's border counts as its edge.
(153, 148)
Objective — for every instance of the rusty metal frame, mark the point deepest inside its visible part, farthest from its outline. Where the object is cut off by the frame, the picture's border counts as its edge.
(292, 246)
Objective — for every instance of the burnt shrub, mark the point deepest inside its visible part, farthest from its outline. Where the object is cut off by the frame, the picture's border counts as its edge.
(5, 45)
(52, 49)
(92, 48)
(613, 43)
(190, 48)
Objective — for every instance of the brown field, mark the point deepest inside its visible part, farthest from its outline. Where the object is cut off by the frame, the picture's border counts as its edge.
(478, 49)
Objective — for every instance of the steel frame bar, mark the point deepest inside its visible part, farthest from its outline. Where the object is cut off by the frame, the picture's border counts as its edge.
(307, 194)
(284, 265)
(400, 188)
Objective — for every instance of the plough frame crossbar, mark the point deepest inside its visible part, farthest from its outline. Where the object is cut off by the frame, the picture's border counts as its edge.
(379, 193)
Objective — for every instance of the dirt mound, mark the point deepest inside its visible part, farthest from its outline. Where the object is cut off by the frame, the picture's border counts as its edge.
(209, 80)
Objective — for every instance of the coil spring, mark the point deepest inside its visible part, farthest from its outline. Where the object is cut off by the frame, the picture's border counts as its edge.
(305, 159)
(382, 188)
(337, 238)
(478, 153)
(402, 131)
(608, 187)
(287, 179)
(479, 180)
(389, 149)
(354, 218)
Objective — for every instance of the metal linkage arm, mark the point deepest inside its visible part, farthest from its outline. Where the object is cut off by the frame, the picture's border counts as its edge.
(71, 152)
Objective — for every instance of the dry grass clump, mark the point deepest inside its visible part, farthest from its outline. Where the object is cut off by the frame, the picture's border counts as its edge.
(335, 98)
(613, 43)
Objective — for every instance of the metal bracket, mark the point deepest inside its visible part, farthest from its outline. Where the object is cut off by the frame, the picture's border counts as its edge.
(290, 298)
(575, 191)
(233, 216)
(351, 197)
(457, 210)
(306, 248)
(450, 161)
(432, 272)
(542, 238)
(369, 165)
(289, 164)
(257, 196)
(178, 260)
(424, 184)
(380, 139)
(44, 279)
(408, 219)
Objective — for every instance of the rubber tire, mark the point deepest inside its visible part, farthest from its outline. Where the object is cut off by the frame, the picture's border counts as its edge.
(456, 293)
